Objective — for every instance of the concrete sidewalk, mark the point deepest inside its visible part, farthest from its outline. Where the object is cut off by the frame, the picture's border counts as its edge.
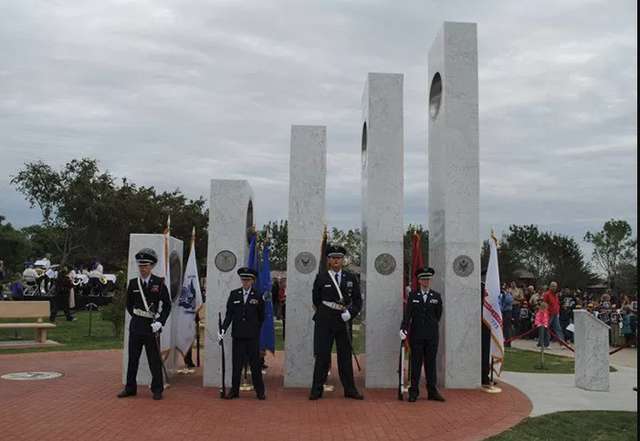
(556, 392)
(627, 357)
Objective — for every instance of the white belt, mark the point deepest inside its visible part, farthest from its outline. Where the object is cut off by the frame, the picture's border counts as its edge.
(142, 313)
(334, 305)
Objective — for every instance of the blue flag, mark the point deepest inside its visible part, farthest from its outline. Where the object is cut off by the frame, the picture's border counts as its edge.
(252, 260)
(268, 332)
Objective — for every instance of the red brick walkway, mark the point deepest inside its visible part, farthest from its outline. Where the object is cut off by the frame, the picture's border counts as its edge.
(82, 405)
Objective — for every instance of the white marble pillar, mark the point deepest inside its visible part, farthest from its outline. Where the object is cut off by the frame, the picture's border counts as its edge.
(307, 179)
(382, 224)
(592, 352)
(230, 217)
(454, 241)
(156, 243)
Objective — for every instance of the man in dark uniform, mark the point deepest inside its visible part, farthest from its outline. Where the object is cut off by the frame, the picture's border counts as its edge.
(245, 313)
(337, 299)
(144, 296)
(421, 319)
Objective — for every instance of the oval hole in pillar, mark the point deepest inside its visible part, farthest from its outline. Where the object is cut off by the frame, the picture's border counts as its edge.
(364, 144)
(249, 220)
(435, 95)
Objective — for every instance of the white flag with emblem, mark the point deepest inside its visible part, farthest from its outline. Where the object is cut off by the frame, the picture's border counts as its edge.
(189, 303)
(491, 311)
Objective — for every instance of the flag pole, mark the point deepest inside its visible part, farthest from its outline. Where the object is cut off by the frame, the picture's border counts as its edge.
(492, 388)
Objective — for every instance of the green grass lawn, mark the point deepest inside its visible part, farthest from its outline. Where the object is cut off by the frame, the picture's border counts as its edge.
(519, 360)
(74, 336)
(575, 426)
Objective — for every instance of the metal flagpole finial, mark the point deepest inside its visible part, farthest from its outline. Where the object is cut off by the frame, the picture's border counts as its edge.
(495, 238)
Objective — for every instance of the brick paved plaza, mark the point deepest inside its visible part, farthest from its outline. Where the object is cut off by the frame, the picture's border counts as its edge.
(82, 405)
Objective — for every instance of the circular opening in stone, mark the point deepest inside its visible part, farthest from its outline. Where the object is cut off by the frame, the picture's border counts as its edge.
(364, 147)
(175, 269)
(435, 95)
(364, 138)
(249, 221)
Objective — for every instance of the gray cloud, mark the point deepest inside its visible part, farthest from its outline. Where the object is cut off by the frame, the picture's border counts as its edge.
(174, 93)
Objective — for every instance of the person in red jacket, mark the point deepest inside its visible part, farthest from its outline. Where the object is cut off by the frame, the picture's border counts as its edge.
(551, 299)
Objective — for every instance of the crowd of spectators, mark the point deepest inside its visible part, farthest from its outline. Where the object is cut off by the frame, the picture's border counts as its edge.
(520, 304)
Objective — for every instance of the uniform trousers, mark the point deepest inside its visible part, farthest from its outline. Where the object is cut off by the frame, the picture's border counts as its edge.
(150, 343)
(324, 338)
(423, 350)
(246, 350)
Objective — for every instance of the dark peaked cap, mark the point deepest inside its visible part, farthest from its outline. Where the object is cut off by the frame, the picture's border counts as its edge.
(246, 272)
(425, 272)
(336, 251)
(146, 256)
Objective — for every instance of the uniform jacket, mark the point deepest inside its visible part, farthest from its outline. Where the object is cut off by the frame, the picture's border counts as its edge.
(421, 318)
(325, 290)
(156, 292)
(245, 318)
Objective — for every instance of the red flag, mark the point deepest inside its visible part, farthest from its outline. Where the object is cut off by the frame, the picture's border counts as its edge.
(416, 258)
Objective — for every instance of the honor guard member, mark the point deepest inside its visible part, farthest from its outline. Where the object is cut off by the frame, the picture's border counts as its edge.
(337, 299)
(421, 319)
(245, 313)
(144, 296)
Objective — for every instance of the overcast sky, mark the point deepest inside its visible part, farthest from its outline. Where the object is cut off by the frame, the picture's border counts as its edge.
(175, 93)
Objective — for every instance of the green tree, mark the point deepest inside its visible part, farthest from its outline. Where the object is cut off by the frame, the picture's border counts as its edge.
(69, 200)
(613, 247)
(351, 240)
(278, 232)
(44, 241)
(87, 214)
(507, 264)
(528, 246)
(15, 247)
(548, 256)
(567, 262)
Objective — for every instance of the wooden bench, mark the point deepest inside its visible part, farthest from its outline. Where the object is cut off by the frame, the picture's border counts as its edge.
(39, 310)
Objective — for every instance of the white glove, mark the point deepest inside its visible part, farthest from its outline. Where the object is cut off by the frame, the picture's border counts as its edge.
(156, 326)
(220, 335)
(346, 315)
(403, 335)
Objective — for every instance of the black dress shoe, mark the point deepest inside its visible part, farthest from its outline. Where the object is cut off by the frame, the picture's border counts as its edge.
(232, 395)
(413, 398)
(315, 396)
(262, 397)
(157, 396)
(434, 395)
(125, 393)
(355, 395)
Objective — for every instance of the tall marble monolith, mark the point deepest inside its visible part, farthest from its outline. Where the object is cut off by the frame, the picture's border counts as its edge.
(307, 179)
(453, 205)
(592, 352)
(230, 220)
(382, 224)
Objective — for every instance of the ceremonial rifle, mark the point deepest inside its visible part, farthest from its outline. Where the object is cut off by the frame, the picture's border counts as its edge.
(349, 327)
(400, 370)
(223, 390)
